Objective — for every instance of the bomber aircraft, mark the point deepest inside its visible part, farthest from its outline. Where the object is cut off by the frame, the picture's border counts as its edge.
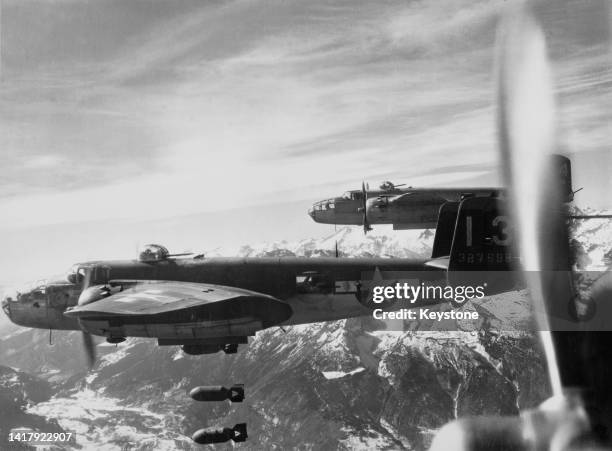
(408, 207)
(405, 208)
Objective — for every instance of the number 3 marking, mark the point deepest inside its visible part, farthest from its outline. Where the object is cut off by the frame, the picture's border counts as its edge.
(503, 236)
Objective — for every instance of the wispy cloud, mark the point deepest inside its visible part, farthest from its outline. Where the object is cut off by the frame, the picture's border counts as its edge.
(165, 108)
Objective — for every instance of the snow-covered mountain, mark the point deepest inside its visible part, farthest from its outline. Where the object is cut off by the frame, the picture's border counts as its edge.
(337, 385)
(351, 242)
(594, 237)
(19, 391)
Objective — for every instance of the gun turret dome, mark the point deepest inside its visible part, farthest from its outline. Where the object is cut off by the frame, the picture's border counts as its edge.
(153, 253)
(387, 186)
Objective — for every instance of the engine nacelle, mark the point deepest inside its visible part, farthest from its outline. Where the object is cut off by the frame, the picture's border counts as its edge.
(217, 435)
(93, 294)
(218, 393)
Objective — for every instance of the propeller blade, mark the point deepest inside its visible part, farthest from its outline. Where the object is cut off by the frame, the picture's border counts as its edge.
(88, 343)
(364, 207)
(576, 357)
(90, 349)
(526, 128)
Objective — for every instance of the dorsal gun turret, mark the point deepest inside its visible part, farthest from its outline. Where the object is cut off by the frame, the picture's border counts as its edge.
(153, 253)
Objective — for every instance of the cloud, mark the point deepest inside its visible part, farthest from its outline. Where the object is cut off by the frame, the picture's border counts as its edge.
(159, 108)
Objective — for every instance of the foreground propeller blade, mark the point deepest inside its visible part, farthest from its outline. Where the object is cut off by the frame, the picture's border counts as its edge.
(573, 418)
(576, 357)
(88, 343)
(526, 128)
(90, 349)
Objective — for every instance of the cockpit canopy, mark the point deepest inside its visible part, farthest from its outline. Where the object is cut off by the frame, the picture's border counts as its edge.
(76, 274)
(353, 195)
(153, 253)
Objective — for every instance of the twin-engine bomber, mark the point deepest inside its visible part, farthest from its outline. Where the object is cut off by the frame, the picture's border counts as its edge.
(410, 207)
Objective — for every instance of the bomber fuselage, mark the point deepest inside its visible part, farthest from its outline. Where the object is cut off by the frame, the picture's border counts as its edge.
(316, 289)
(405, 208)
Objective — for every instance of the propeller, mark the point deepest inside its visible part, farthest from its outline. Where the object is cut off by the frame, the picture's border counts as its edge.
(90, 349)
(364, 208)
(576, 358)
(526, 128)
(88, 343)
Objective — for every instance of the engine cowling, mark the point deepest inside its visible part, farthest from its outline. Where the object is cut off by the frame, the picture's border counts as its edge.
(101, 291)
(93, 294)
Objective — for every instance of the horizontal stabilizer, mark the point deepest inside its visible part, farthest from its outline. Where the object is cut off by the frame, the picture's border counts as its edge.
(440, 263)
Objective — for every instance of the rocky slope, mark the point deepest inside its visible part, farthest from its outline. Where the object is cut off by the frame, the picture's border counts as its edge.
(18, 392)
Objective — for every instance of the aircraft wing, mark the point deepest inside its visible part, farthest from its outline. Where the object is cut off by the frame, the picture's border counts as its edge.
(417, 197)
(148, 298)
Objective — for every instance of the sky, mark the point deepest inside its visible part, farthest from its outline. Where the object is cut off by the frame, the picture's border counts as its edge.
(205, 123)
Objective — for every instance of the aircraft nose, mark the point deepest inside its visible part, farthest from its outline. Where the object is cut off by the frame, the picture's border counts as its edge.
(5, 306)
(311, 212)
